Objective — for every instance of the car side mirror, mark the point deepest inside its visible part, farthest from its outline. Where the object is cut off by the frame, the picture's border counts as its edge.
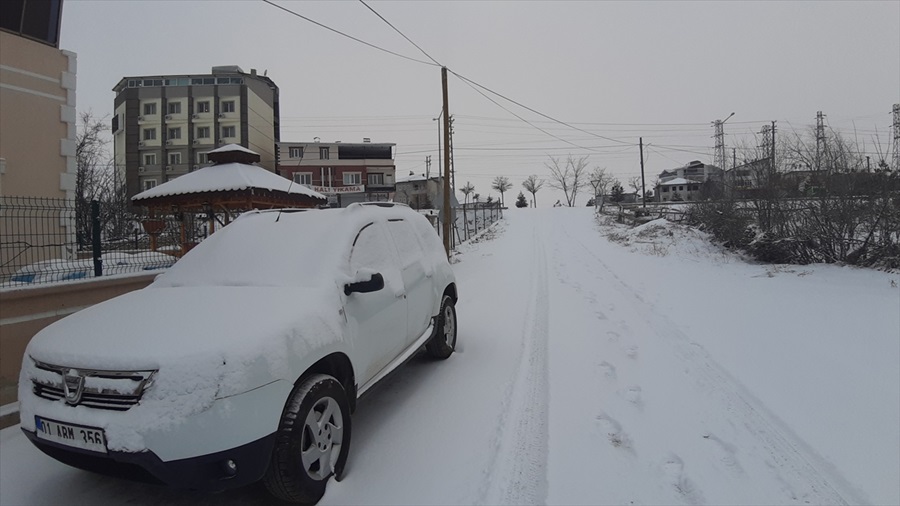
(372, 285)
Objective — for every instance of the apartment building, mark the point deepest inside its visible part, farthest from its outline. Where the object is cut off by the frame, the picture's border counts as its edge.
(37, 93)
(343, 172)
(165, 125)
(686, 182)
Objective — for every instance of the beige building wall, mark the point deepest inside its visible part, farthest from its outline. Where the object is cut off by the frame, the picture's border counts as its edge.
(37, 119)
(260, 117)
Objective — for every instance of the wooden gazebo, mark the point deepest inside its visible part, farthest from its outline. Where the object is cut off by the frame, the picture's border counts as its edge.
(230, 186)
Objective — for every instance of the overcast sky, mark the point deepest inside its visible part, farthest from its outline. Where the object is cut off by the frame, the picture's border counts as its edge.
(620, 70)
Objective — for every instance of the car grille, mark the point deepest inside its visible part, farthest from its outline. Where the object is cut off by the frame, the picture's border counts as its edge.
(114, 390)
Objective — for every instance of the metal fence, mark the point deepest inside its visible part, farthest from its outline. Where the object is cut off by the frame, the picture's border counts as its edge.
(474, 218)
(40, 242)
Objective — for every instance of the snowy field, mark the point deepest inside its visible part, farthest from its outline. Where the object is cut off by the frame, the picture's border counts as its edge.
(650, 368)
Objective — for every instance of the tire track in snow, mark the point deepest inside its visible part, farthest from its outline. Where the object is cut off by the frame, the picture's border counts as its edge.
(518, 470)
(790, 459)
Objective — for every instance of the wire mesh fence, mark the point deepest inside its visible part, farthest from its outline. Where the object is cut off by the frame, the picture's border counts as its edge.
(474, 218)
(41, 242)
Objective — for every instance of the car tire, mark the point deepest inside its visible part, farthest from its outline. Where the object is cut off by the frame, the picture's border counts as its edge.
(443, 341)
(312, 441)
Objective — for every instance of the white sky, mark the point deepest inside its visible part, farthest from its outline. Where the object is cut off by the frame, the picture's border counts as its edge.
(661, 70)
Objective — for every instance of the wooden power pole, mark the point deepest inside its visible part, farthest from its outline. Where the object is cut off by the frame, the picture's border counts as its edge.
(643, 184)
(446, 118)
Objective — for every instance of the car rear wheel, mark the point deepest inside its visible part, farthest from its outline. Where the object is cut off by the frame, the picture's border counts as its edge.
(443, 342)
(313, 441)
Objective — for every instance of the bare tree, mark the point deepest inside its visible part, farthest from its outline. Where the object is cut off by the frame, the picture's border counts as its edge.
(95, 179)
(570, 177)
(532, 185)
(466, 190)
(601, 182)
(634, 182)
(501, 184)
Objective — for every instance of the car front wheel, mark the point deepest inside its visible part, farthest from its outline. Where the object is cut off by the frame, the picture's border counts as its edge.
(313, 441)
(443, 342)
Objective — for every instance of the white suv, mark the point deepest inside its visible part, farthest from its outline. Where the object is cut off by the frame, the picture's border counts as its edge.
(244, 361)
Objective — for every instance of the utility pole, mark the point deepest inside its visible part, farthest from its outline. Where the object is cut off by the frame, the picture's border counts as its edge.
(446, 207)
(452, 161)
(896, 157)
(820, 138)
(427, 168)
(643, 183)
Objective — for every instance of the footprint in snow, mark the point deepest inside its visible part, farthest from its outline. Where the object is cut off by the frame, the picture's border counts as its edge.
(600, 315)
(633, 395)
(726, 452)
(613, 431)
(608, 369)
(673, 468)
(631, 351)
(612, 336)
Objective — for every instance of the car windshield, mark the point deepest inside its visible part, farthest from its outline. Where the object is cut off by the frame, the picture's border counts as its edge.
(265, 249)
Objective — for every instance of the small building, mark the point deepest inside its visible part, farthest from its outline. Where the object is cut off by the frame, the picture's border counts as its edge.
(678, 189)
(419, 191)
(344, 172)
(694, 171)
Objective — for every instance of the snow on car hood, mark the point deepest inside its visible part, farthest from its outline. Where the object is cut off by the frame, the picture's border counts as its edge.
(207, 343)
(156, 327)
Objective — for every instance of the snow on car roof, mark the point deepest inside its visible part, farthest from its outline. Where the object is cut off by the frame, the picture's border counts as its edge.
(279, 248)
(226, 177)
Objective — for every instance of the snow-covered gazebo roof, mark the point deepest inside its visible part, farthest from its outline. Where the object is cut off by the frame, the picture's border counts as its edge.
(232, 183)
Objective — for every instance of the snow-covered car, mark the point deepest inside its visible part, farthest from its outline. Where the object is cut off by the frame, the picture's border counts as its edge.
(244, 361)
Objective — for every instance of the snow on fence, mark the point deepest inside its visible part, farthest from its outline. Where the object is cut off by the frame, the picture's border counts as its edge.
(47, 240)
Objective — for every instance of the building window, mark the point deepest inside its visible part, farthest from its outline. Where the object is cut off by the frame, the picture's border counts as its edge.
(201, 158)
(352, 178)
(228, 106)
(150, 109)
(303, 178)
(203, 106)
(296, 152)
(36, 19)
(376, 178)
(228, 131)
(174, 133)
(174, 107)
(150, 159)
(323, 153)
(665, 189)
(149, 134)
(203, 132)
(149, 183)
(174, 158)
(681, 188)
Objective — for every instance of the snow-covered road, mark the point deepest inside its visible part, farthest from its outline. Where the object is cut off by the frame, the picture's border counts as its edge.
(658, 371)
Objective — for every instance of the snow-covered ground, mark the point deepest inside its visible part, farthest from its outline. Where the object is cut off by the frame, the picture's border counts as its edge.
(648, 369)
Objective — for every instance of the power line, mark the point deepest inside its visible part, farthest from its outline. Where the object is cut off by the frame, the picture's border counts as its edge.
(345, 35)
(473, 83)
(401, 33)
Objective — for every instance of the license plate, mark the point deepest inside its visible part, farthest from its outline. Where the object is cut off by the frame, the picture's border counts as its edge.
(77, 436)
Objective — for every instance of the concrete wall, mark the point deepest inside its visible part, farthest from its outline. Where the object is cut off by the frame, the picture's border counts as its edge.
(26, 311)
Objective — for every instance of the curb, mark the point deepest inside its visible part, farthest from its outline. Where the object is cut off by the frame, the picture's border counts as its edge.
(9, 415)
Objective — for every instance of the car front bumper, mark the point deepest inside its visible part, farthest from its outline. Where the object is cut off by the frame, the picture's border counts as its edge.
(227, 445)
